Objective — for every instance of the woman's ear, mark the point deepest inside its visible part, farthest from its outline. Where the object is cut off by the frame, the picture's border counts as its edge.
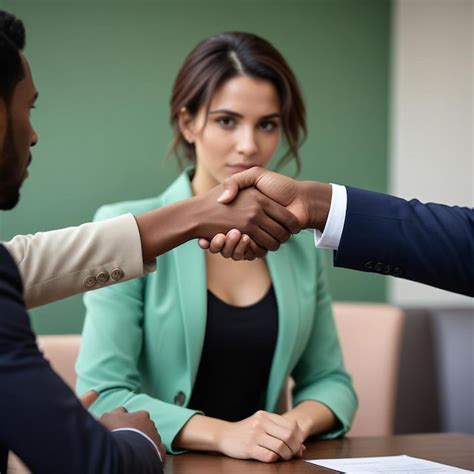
(186, 125)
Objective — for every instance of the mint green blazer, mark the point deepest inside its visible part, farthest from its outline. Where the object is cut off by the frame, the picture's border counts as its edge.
(142, 339)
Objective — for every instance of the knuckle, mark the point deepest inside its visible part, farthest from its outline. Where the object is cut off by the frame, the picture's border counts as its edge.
(256, 424)
(281, 447)
(270, 457)
(274, 245)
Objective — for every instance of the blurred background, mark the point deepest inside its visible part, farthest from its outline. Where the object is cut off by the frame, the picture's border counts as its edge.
(388, 88)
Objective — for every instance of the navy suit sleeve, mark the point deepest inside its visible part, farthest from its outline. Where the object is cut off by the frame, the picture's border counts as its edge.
(42, 420)
(428, 243)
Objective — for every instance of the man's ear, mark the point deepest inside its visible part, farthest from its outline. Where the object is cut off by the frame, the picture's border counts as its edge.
(186, 125)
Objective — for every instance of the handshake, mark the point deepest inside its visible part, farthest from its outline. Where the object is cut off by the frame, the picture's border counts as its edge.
(266, 209)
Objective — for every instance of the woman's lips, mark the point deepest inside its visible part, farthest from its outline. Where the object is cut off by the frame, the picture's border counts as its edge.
(238, 168)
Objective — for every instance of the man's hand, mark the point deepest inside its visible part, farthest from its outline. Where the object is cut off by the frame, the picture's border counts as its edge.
(139, 420)
(308, 201)
(267, 223)
(88, 399)
(281, 189)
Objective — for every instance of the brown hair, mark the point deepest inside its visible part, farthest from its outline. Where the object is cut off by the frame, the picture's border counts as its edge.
(222, 57)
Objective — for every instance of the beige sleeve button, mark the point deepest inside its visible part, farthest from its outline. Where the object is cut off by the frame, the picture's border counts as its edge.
(89, 281)
(102, 277)
(116, 274)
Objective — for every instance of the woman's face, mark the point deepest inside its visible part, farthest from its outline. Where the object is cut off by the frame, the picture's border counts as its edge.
(242, 130)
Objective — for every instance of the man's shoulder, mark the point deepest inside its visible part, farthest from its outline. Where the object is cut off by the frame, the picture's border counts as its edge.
(9, 274)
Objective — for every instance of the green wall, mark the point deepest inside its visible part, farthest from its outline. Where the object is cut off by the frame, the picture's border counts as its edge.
(104, 71)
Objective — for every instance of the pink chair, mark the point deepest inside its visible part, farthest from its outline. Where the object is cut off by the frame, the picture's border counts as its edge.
(370, 337)
(62, 351)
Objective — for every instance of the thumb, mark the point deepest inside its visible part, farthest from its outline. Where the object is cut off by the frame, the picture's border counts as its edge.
(238, 181)
(88, 398)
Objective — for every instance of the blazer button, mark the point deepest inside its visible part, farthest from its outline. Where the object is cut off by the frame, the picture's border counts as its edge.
(397, 271)
(116, 274)
(369, 265)
(378, 267)
(89, 282)
(179, 399)
(102, 277)
(387, 270)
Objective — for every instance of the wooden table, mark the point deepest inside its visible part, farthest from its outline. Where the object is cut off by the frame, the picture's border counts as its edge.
(447, 448)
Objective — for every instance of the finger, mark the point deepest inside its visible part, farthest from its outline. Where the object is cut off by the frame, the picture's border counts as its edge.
(283, 216)
(256, 250)
(264, 239)
(240, 249)
(217, 243)
(204, 244)
(232, 239)
(239, 181)
(249, 255)
(286, 430)
(276, 445)
(264, 455)
(120, 410)
(287, 423)
(285, 435)
(88, 398)
(278, 231)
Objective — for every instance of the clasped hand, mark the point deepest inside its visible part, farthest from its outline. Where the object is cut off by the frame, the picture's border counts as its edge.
(264, 436)
(280, 209)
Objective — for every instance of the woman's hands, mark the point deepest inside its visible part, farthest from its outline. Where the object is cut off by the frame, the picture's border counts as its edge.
(264, 436)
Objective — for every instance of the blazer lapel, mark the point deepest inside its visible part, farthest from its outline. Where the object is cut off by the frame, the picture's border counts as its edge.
(191, 293)
(283, 276)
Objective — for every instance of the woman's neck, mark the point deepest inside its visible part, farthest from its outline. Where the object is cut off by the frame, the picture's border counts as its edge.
(202, 182)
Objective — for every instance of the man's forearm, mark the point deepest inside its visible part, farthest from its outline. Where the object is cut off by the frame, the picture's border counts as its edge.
(163, 229)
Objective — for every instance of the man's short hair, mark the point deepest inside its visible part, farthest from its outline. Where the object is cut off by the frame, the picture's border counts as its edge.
(12, 42)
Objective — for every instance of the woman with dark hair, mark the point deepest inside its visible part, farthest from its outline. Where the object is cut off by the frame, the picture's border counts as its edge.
(206, 344)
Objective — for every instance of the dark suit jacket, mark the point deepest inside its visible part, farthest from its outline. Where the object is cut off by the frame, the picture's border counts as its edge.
(428, 243)
(41, 419)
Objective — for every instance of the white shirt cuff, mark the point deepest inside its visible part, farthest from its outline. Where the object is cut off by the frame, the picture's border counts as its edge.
(330, 238)
(144, 435)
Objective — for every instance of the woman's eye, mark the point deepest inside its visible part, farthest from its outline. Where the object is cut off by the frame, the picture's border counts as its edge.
(268, 126)
(226, 122)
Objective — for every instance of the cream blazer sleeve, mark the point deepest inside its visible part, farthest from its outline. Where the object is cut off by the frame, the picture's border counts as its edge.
(61, 263)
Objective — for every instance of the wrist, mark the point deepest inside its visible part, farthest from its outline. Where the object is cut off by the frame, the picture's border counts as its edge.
(304, 423)
(317, 199)
(220, 435)
(190, 214)
(202, 433)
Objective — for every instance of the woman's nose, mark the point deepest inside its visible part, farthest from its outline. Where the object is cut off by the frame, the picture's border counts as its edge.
(247, 145)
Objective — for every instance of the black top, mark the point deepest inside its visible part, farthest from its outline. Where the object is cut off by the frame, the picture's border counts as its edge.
(236, 358)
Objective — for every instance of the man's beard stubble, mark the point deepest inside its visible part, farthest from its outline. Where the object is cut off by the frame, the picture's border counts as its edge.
(10, 184)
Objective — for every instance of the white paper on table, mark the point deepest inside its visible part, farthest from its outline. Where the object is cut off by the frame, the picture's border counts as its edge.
(396, 464)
